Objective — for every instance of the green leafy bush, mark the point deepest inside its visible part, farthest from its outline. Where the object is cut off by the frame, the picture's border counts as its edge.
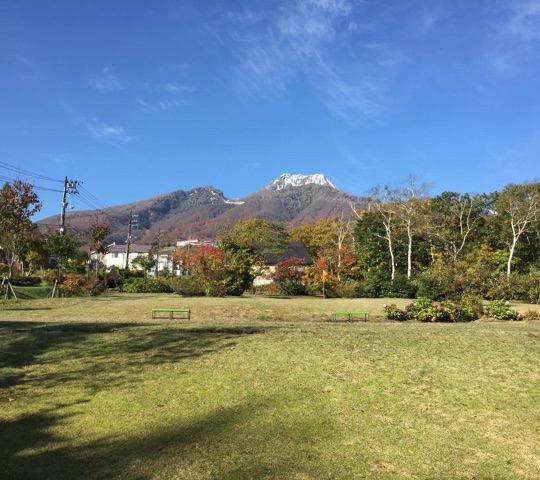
(50, 276)
(506, 287)
(374, 284)
(426, 310)
(187, 286)
(531, 286)
(465, 313)
(26, 281)
(400, 287)
(430, 286)
(393, 312)
(77, 284)
(474, 304)
(500, 310)
(288, 276)
(94, 287)
(141, 285)
(289, 286)
(347, 289)
(459, 312)
(72, 285)
(215, 288)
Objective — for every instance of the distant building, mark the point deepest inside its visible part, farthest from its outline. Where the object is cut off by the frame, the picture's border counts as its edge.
(295, 249)
(194, 242)
(116, 256)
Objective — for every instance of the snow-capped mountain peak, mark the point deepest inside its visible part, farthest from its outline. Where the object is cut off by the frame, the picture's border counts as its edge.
(295, 180)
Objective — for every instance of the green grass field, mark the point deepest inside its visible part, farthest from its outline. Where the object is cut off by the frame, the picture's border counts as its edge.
(262, 388)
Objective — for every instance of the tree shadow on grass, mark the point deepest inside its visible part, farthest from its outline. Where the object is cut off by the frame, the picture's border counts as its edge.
(37, 362)
(87, 357)
(207, 447)
(102, 352)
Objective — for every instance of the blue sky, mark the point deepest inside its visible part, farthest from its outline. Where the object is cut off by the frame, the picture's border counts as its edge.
(137, 98)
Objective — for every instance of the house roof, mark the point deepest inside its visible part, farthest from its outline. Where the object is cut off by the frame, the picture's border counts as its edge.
(295, 249)
(133, 248)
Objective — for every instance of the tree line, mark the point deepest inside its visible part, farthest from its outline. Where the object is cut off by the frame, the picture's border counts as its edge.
(401, 243)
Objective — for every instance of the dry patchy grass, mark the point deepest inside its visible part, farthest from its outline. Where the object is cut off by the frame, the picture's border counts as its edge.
(114, 307)
(262, 388)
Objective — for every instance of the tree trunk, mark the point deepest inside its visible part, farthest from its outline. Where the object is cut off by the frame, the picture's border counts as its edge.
(511, 256)
(392, 259)
(409, 257)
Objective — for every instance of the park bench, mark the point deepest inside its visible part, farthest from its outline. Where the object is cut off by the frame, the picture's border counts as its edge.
(350, 315)
(156, 313)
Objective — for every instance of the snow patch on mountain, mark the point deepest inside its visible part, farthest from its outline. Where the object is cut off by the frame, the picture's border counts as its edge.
(296, 180)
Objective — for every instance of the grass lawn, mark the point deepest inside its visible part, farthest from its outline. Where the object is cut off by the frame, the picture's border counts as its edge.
(262, 388)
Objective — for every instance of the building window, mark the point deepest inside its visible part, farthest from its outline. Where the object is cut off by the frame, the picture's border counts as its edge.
(115, 255)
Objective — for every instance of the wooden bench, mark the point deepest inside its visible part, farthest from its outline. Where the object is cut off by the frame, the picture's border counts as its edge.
(350, 315)
(170, 313)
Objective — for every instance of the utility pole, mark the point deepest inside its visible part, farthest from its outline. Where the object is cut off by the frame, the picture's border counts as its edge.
(157, 252)
(70, 186)
(133, 223)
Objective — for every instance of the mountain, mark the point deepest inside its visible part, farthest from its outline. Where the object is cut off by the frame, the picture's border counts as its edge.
(289, 180)
(204, 212)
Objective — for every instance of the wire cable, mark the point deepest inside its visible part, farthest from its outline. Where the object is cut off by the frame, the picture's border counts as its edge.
(11, 180)
(86, 197)
(18, 170)
(95, 203)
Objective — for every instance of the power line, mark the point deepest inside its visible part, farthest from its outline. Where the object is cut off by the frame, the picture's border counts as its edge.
(92, 200)
(11, 180)
(47, 189)
(86, 197)
(95, 203)
(18, 170)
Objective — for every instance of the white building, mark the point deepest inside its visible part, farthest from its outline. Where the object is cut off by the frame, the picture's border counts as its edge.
(194, 242)
(116, 255)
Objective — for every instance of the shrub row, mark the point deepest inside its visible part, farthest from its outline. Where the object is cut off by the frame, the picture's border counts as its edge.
(186, 286)
(500, 310)
(78, 284)
(375, 284)
(451, 285)
(143, 285)
(426, 310)
(26, 281)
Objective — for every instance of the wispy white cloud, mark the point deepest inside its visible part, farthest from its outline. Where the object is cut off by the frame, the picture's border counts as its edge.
(174, 87)
(22, 60)
(106, 82)
(302, 40)
(246, 17)
(150, 97)
(171, 103)
(524, 21)
(264, 68)
(348, 99)
(164, 96)
(105, 132)
(517, 38)
(20, 66)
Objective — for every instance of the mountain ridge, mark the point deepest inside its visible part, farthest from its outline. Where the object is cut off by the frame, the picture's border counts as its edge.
(205, 212)
(296, 180)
